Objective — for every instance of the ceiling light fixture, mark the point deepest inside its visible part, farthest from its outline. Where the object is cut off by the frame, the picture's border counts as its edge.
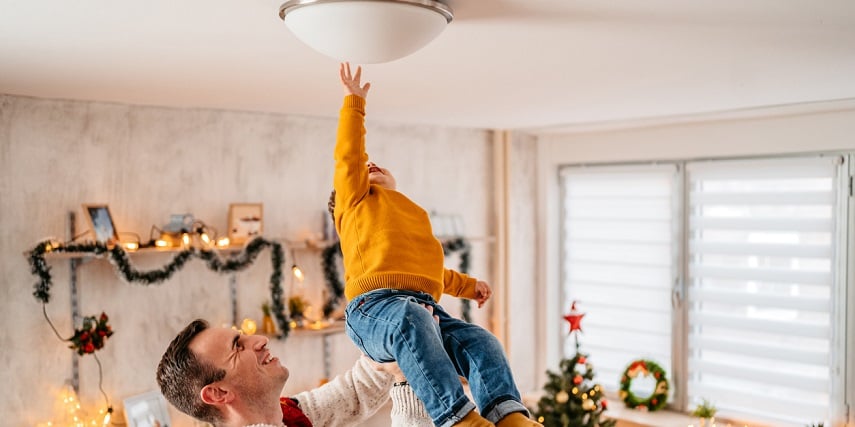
(366, 31)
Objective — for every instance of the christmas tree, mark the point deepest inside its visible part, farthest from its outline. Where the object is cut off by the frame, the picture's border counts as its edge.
(571, 398)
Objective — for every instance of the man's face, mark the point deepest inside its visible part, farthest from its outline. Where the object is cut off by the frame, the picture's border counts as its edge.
(251, 371)
(380, 176)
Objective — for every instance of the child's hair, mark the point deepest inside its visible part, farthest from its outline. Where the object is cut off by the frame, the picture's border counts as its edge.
(331, 205)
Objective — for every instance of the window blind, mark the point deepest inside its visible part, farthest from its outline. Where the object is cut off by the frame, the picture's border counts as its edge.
(760, 275)
(618, 261)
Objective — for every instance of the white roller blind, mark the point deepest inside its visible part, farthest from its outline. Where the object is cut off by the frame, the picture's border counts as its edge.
(618, 260)
(761, 271)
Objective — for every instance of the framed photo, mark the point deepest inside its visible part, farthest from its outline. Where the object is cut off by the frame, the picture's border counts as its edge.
(146, 410)
(245, 222)
(101, 223)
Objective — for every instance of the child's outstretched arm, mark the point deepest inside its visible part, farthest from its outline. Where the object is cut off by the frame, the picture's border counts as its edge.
(351, 174)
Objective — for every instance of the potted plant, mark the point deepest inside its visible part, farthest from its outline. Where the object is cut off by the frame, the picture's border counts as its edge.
(705, 411)
(267, 325)
(297, 306)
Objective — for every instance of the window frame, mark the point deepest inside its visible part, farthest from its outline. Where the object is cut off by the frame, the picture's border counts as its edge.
(842, 310)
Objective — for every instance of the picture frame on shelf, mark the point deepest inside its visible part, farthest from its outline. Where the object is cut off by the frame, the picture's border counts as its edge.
(246, 221)
(101, 223)
(146, 410)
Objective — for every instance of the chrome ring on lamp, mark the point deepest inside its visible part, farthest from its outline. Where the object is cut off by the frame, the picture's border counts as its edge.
(435, 6)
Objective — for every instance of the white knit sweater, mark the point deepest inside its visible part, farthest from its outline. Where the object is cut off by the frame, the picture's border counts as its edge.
(356, 395)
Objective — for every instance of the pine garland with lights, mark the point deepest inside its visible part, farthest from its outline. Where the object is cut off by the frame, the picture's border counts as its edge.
(332, 277)
(120, 260)
(572, 399)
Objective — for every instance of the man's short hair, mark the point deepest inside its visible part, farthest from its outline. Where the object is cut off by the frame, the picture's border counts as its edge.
(181, 375)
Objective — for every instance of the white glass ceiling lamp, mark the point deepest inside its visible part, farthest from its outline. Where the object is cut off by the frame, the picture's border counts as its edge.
(366, 31)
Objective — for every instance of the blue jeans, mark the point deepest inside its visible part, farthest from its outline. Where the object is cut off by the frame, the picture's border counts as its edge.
(392, 325)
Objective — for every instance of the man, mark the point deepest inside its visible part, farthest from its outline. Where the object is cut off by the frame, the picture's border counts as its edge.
(229, 379)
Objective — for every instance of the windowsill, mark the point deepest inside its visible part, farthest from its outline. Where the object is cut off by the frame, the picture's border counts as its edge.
(633, 418)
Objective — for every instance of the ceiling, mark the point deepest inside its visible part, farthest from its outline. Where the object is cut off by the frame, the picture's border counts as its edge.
(501, 64)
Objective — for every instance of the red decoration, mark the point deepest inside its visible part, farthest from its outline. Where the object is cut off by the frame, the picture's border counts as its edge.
(574, 318)
(577, 380)
(92, 336)
(605, 403)
(582, 359)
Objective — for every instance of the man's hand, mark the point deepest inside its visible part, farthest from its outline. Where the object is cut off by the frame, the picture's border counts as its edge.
(483, 292)
(351, 82)
(391, 368)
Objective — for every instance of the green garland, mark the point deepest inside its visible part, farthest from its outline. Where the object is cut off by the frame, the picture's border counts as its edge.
(119, 258)
(459, 244)
(332, 277)
(336, 287)
(657, 399)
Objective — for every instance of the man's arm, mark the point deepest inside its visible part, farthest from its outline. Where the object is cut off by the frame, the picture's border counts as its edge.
(349, 398)
(407, 409)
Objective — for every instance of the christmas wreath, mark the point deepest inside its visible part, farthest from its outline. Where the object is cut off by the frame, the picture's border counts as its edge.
(644, 368)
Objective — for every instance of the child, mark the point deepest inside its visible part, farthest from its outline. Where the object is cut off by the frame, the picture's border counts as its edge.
(393, 263)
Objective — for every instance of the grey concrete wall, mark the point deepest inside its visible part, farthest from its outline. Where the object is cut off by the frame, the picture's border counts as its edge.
(147, 163)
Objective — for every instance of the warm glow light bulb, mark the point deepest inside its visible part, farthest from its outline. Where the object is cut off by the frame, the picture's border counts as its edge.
(160, 243)
(298, 273)
(248, 326)
(223, 242)
(185, 238)
(205, 238)
(132, 246)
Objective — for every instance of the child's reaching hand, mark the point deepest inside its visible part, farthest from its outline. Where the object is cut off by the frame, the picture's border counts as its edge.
(351, 82)
(483, 292)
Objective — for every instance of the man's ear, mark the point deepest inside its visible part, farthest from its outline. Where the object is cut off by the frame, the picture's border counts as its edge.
(213, 394)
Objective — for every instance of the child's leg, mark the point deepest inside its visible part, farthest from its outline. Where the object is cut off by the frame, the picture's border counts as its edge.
(392, 325)
(479, 357)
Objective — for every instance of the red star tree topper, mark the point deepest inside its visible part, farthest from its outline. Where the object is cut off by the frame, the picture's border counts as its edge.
(574, 319)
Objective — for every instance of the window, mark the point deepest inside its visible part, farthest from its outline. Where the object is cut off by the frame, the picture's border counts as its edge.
(758, 246)
(618, 258)
(761, 257)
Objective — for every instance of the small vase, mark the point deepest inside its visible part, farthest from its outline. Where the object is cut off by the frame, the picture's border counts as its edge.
(267, 325)
(706, 422)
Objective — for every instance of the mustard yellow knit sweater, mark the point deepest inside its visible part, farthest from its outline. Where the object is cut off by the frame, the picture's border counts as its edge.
(386, 239)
